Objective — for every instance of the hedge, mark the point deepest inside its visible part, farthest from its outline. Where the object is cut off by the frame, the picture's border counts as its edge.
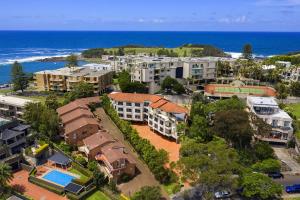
(82, 170)
(153, 158)
(82, 195)
(41, 149)
(49, 186)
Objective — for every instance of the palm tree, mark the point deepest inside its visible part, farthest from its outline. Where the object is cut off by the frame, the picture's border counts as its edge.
(5, 173)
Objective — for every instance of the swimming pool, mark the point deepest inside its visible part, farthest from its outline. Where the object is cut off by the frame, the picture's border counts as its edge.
(58, 177)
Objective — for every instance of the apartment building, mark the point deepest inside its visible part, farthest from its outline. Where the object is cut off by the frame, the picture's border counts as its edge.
(110, 154)
(267, 109)
(77, 121)
(160, 114)
(200, 69)
(11, 106)
(13, 136)
(64, 79)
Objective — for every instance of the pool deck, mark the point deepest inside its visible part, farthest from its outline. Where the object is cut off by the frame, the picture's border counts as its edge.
(20, 182)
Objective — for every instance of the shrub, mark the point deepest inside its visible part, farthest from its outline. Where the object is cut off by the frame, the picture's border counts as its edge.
(92, 166)
(267, 166)
(81, 160)
(41, 149)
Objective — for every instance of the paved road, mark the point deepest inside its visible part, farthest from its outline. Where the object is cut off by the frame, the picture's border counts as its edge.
(289, 180)
(145, 177)
(284, 156)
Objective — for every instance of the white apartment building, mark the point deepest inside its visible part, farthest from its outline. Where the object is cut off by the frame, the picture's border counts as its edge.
(200, 69)
(267, 109)
(160, 114)
(11, 106)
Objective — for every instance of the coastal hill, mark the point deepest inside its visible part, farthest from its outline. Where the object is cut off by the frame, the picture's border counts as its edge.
(193, 50)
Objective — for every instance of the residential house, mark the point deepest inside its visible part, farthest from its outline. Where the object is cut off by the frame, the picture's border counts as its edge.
(110, 154)
(13, 137)
(267, 109)
(11, 106)
(77, 121)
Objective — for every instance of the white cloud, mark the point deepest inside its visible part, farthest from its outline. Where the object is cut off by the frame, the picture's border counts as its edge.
(234, 20)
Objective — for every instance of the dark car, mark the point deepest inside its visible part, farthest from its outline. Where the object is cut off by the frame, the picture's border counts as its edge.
(275, 175)
(293, 188)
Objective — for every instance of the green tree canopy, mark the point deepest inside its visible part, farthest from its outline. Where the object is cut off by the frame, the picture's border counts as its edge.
(171, 84)
(263, 150)
(259, 186)
(282, 91)
(72, 60)
(295, 89)
(18, 77)
(234, 126)
(148, 193)
(247, 51)
(211, 165)
(80, 90)
(51, 102)
(130, 87)
(267, 166)
(200, 130)
(5, 174)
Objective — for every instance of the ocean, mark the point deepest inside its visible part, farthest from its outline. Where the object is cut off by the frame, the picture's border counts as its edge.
(29, 46)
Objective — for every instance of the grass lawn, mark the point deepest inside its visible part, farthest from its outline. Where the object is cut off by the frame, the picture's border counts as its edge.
(82, 177)
(97, 196)
(4, 91)
(42, 99)
(295, 108)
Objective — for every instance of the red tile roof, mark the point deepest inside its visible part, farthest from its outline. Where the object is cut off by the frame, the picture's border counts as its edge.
(78, 123)
(100, 138)
(156, 101)
(76, 113)
(134, 97)
(116, 151)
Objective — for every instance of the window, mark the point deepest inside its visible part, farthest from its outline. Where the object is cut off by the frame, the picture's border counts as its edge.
(155, 119)
(286, 124)
(146, 103)
(120, 109)
(155, 125)
(137, 104)
(129, 116)
(138, 117)
(128, 104)
(145, 110)
(137, 110)
(129, 110)
(121, 115)
(161, 129)
(120, 103)
(161, 122)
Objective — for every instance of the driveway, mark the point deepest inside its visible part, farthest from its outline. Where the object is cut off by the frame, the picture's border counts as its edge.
(283, 155)
(145, 177)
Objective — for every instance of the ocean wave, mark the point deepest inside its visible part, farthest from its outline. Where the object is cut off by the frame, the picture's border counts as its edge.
(32, 59)
(237, 55)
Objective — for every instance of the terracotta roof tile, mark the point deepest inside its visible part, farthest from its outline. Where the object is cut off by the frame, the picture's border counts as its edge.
(134, 97)
(78, 123)
(100, 138)
(76, 113)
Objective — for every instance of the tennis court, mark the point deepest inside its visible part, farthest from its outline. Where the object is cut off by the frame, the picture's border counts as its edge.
(219, 89)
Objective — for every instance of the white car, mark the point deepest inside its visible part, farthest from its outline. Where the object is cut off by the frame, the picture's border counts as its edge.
(222, 194)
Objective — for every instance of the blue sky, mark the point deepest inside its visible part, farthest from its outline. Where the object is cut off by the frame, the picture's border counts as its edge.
(180, 15)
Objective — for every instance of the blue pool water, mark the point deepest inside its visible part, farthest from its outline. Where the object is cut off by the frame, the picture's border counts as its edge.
(59, 178)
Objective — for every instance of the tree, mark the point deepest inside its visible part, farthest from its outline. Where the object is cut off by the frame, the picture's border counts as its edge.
(72, 61)
(263, 150)
(267, 166)
(212, 164)
(261, 128)
(99, 178)
(121, 51)
(51, 102)
(5, 174)
(92, 165)
(247, 51)
(19, 77)
(282, 91)
(148, 193)
(234, 126)
(130, 87)
(199, 129)
(295, 89)
(80, 90)
(170, 84)
(42, 119)
(259, 186)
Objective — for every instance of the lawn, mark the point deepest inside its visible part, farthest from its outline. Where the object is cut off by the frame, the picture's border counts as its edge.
(5, 91)
(82, 176)
(41, 99)
(97, 196)
(171, 188)
(295, 109)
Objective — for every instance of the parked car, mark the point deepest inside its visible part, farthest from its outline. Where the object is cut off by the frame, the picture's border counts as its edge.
(293, 188)
(275, 175)
(222, 194)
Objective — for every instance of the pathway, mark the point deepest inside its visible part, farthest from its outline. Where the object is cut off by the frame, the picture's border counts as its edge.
(283, 155)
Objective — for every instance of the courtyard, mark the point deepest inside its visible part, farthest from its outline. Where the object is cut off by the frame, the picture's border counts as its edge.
(158, 141)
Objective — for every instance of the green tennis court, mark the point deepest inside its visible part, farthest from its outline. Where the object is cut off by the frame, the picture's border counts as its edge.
(240, 90)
